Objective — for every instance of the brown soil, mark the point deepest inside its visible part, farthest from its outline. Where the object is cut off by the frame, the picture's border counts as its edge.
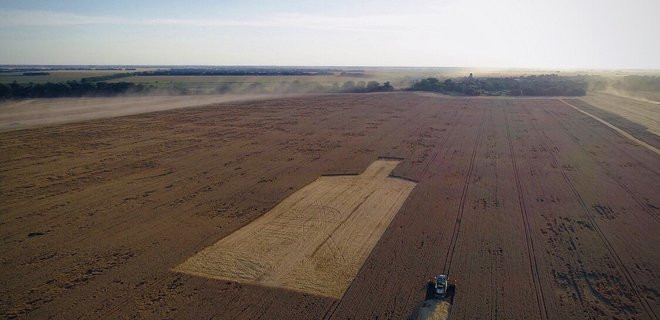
(536, 210)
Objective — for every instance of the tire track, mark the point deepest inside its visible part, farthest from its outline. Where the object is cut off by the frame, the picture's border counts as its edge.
(531, 253)
(461, 208)
(457, 117)
(607, 172)
(617, 259)
(335, 305)
(617, 129)
(443, 143)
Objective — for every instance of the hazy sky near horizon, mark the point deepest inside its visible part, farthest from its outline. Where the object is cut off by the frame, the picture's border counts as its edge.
(609, 34)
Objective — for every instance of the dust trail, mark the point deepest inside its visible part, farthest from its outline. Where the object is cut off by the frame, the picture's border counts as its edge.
(31, 113)
(625, 94)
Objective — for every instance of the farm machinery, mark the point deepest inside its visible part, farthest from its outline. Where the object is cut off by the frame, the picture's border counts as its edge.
(440, 288)
(439, 298)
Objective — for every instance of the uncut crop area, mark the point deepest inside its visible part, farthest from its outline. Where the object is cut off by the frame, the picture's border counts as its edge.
(534, 209)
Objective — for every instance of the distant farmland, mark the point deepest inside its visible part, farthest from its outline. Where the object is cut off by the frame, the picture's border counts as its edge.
(55, 76)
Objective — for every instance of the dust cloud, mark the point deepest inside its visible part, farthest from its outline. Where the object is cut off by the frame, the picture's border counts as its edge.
(31, 113)
(627, 94)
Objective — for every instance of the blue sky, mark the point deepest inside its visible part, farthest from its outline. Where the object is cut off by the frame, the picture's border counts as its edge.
(473, 33)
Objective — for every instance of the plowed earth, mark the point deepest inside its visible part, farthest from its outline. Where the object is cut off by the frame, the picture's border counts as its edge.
(534, 209)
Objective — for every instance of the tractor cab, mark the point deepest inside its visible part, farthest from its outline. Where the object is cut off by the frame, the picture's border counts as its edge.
(440, 286)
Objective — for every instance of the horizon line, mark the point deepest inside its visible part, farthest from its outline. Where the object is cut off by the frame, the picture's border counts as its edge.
(329, 66)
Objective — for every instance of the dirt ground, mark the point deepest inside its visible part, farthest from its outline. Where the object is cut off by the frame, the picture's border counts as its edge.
(535, 210)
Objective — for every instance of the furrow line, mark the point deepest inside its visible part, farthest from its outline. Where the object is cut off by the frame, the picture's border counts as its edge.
(457, 225)
(335, 305)
(531, 255)
(442, 144)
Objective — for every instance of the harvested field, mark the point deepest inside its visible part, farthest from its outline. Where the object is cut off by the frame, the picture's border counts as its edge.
(634, 116)
(534, 209)
(314, 241)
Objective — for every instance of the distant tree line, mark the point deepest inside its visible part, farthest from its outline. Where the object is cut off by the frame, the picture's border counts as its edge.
(35, 73)
(88, 88)
(68, 89)
(536, 85)
(298, 86)
(108, 77)
(361, 86)
(237, 71)
(9, 68)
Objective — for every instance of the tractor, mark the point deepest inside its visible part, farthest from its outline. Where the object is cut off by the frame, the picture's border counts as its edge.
(440, 288)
